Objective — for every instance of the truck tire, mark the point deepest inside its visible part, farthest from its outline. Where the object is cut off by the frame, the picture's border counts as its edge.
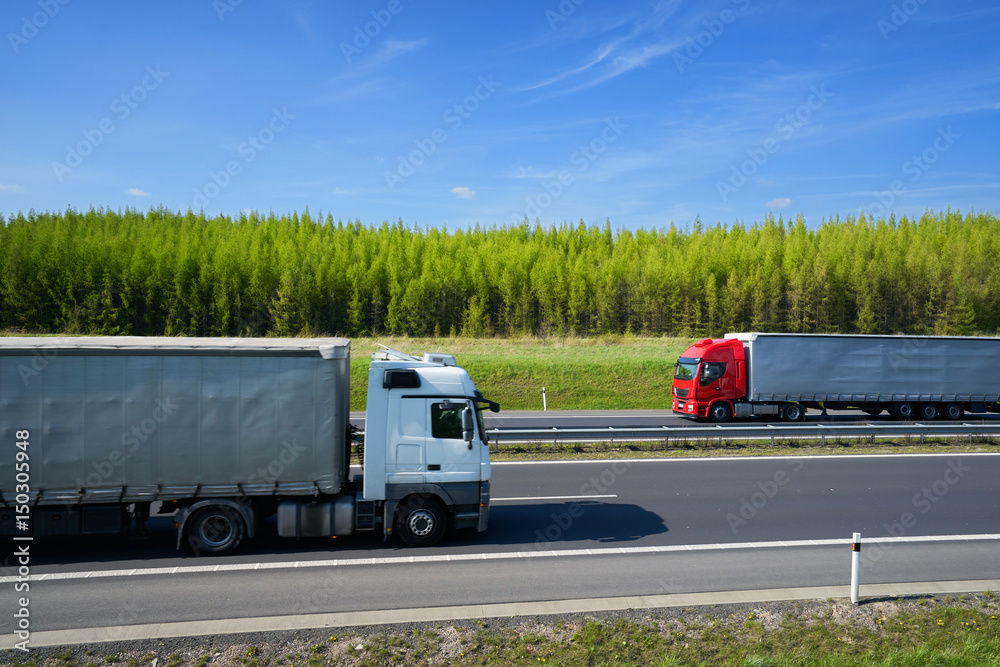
(421, 521)
(793, 412)
(928, 411)
(720, 412)
(953, 411)
(904, 410)
(215, 531)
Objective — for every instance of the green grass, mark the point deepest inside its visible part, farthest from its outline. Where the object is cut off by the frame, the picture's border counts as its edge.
(895, 632)
(601, 373)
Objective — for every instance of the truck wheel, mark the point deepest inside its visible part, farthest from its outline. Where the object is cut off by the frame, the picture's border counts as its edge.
(793, 412)
(720, 412)
(420, 521)
(928, 411)
(904, 410)
(215, 531)
(954, 411)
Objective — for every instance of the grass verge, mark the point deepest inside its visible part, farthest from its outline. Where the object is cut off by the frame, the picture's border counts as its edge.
(896, 631)
(601, 373)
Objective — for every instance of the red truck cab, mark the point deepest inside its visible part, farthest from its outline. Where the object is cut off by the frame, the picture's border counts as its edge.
(709, 377)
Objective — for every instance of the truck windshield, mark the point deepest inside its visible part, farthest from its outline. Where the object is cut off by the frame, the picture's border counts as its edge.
(686, 369)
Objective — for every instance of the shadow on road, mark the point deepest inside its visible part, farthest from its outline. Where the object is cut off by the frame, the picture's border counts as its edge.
(513, 527)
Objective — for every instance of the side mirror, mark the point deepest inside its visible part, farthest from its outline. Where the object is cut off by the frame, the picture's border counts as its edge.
(468, 425)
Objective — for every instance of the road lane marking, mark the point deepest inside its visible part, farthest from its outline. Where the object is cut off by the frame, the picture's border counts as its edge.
(606, 495)
(500, 555)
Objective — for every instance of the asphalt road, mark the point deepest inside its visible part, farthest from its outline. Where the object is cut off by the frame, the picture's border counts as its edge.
(620, 528)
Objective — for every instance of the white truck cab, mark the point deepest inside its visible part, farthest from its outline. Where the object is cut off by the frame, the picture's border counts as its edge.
(426, 447)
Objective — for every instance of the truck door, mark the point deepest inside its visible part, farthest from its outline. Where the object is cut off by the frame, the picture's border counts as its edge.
(407, 440)
(718, 376)
(449, 457)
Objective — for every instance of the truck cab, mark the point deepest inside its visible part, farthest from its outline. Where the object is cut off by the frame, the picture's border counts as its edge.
(426, 457)
(710, 376)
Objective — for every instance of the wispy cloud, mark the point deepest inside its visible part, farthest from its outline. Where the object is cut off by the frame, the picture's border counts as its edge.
(463, 192)
(4, 187)
(136, 192)
(363, 78)
(618, 55)
(780, 202)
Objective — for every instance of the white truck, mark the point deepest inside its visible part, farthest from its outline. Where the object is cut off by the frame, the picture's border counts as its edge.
(223, 432)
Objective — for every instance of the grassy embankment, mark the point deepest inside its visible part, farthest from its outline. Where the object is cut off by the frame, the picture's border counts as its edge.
(603, 373)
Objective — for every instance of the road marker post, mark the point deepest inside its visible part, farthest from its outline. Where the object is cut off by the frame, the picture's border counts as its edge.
(855, 567)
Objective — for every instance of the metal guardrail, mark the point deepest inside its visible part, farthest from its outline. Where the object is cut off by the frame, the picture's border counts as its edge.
(767, 432)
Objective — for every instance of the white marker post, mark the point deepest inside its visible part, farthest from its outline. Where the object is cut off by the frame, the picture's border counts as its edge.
(545, 405)
(855, 567)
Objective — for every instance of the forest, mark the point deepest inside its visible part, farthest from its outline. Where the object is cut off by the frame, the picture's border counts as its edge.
(170, 273)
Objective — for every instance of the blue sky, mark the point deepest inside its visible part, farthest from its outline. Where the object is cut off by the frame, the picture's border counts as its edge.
(453, 114)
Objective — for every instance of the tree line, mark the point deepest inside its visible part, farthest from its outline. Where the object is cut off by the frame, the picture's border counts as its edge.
(171, 273)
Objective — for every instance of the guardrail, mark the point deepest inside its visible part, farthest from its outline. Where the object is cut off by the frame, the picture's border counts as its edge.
(718, 432)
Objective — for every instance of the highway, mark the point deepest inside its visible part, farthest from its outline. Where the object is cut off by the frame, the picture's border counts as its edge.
(566, 531)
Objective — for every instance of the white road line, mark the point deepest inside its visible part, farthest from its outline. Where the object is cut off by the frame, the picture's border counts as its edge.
(606, 495)
(503, 555)
(744, 458)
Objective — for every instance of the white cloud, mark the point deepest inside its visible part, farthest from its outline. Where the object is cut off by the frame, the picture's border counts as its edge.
(4, 187)
(463, 192)
(136, 192)
(780, 202)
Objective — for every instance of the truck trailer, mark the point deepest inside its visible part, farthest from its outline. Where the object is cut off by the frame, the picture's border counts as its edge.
(781, 375)
(224, 432)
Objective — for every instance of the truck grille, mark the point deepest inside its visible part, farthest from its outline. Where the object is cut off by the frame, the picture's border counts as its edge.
(680, 393)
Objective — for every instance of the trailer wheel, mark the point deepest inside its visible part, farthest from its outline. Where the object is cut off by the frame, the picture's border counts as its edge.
(215, 531)
(904, 410)
(954, 411)
(720, 412)
(928, 411)
(421, 521)
(793, 412)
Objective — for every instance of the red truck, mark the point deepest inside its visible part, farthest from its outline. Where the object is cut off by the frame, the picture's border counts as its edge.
(781, 375)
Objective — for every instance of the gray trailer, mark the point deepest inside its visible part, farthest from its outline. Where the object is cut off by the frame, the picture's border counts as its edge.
(903, 374)
(224, 432)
